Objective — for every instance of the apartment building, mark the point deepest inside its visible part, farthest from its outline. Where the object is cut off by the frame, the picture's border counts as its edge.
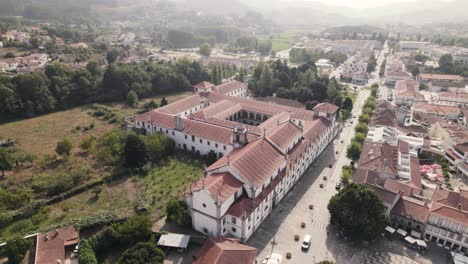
(407, 93)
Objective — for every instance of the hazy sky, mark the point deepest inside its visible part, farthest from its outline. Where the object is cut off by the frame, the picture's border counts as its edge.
(363, 3)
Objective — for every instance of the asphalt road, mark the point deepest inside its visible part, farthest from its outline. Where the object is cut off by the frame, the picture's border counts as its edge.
(276, 234)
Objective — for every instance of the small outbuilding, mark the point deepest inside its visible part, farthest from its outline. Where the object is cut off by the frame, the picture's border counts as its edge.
(178, 241)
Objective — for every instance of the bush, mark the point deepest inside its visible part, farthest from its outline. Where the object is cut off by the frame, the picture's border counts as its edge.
(16, 248)
(87, 255)
(64, 147)
(142, 253)
(178, 212)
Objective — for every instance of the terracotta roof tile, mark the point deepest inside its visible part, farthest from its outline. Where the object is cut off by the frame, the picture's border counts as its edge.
(52, 248)
(221, 186)
(436, 109)
(228, 87)
(429, 76)
(225, 251)
(326, 107)
(284, 135)
(410, 206)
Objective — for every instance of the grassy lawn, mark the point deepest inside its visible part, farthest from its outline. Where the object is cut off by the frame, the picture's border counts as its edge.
(39, 135)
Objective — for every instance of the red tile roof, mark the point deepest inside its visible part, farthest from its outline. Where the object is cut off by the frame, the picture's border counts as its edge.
(397, 186)
(445, 77)
(410, 206)
(280, 101)
(284, 135)
(204, 85)
(386, 195)
(375, 155)
(463, 147)
(220, 186)
(436, 109)
(326, 107)
(255, 163)
(53, 248)
(225, 251)
(181, 105)
(449, 213)
(228, 87)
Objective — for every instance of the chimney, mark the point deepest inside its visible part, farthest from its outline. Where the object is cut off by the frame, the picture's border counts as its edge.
(179, 124)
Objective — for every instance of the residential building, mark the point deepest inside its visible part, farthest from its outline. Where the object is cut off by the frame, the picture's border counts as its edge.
(439, 111)
(453, 98)
(225, 251)
(324, 65)
(448, 220)
(407, 93)
(411, 214)
(413, 45)
(442, 80)
(457, 156)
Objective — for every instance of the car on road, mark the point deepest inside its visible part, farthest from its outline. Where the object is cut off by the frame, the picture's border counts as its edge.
(338, 186)
(306, 242)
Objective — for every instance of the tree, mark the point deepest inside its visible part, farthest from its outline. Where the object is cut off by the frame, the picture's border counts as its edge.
(134, 229)
(16, 248)
(205, 49)
(163, 102)
(358, 212)
(112, 55)
(348, 104)
(143, 253)
(134, 151)
(360, 137)
(423, 87)
(354, 150)
(178, 212)
(97, 191)
(446, 63)
(331, 90)
(64, 147)
(87, 255)
(6, 160)
(158, 146)
(132, 98)
(109, 147)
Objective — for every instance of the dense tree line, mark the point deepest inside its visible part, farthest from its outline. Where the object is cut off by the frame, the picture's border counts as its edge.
(298, 55)
(299, 83)
(60, 87)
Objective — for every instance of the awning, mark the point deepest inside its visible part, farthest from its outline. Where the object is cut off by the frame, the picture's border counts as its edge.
(415, 234)
(390, 229)
(174, 240)
(401, 232)
(421, 243)
(410, 240)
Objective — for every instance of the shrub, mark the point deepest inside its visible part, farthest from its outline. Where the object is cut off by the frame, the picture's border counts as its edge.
(143, 252)
(178, 212)
(87, 255)
(64, 147)
(16, 248)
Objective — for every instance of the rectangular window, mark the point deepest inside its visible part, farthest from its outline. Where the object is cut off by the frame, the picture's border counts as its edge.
(160, 129)
(209, 143)
(201, 140)
(233, 220)
(193, 138)
(167, 131)
(234, 229)
(224, 147)
(185, 136)
(216, 145)
(173, 133)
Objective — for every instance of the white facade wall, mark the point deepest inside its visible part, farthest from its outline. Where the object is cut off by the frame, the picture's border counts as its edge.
(447, 233)
(204, 146)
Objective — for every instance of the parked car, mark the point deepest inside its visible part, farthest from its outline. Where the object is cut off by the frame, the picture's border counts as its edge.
(306, 242)
(338, 186)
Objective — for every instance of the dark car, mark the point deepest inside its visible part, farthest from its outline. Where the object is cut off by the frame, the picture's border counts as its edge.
(338, 186)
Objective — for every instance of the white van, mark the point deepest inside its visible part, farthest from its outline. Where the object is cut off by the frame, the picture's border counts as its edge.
(306, 242)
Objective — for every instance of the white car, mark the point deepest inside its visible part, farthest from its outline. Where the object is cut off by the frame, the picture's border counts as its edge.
(306, 242)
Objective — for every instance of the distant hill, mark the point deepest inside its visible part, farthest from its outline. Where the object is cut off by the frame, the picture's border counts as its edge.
(215, 6)
(365, 29)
